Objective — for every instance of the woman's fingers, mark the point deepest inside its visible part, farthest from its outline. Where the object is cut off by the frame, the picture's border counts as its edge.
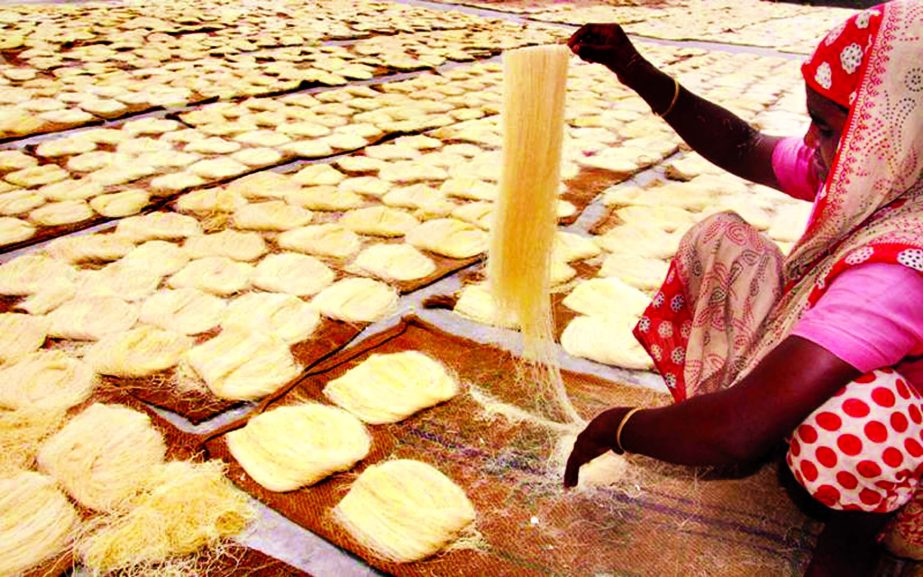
(593, 53)
(605, 44)
(596, 439)
(585, 450)
(572, 470)
(580, 35)
(594, 34)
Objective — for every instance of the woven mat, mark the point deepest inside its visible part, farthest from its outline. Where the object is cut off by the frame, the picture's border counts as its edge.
(607, 221)
(583, 189)
(47, 233)
(445, 266)
(158, 201)
(236, 559)
(200, 404)
(673, 524)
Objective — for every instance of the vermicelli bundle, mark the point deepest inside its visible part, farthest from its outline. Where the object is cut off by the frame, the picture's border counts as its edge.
(243, 364)
(298, 445)
(103, 455)
(20, 335)
(182, 508)
(137, 352)
(405, 510)
(525, 218)
(387, 388)
(22, 433)
(45, 380)
(36, 520)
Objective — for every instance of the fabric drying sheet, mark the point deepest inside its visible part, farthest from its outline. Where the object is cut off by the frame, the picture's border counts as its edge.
(673, 523)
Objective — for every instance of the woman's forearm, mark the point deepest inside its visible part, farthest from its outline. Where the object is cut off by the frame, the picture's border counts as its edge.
(699, 432)
(742, 423)
(714, 132)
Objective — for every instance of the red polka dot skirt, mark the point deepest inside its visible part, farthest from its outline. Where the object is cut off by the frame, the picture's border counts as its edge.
(862, 450)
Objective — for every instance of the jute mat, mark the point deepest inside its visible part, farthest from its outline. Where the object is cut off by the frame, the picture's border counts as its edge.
(159, 200)
(198, 403)
(586, 186)
(658, 521)
(443, 267)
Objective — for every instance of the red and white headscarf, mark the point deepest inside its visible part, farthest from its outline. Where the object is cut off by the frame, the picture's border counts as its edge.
(838, 62)
(871, 207)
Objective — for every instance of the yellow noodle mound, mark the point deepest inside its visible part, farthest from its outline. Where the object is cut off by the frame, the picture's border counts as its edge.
(389, 388)
(182, 508)
(46, 380)
(35, 521)
(405, 510)
(103, 455)
(298, 445)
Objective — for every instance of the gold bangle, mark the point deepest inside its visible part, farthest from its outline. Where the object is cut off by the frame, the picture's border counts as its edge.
(672, 102)
(618, 432)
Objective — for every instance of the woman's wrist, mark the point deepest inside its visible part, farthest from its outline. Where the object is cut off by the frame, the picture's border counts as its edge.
(632, 71)
(657, 88)
(620, 429)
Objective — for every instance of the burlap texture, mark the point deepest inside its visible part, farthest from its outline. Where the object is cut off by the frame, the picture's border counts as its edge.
(664, 522)
(47, 233)
(607, 221)
(445, 266)
(159, 199)
(199, 404)
(586, 186)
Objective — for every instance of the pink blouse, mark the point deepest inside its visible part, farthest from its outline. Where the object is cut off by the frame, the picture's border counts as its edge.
(861, 318)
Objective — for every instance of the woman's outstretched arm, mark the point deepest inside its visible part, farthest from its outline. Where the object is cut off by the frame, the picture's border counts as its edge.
(742, 424)
(738, 425)
(712, 131)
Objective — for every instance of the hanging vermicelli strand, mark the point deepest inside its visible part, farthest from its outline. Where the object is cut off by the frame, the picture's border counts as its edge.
(525, 219)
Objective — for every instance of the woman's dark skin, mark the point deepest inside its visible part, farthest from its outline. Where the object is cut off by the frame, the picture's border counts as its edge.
(743, 423)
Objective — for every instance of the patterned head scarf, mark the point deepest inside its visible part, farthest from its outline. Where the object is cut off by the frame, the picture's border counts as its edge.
(839, 61)
(874, 193)
(871, 207)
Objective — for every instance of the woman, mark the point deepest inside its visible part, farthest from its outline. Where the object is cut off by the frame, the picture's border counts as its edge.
(817, 349)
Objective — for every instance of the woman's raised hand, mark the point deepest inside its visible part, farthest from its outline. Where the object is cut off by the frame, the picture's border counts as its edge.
(605, 44)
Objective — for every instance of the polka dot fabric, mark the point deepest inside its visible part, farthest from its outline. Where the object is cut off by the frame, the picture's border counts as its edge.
(835, 68)
(862, 450)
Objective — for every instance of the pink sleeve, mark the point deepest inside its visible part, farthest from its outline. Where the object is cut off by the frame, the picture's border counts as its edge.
(864, 321)
(794, 169)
